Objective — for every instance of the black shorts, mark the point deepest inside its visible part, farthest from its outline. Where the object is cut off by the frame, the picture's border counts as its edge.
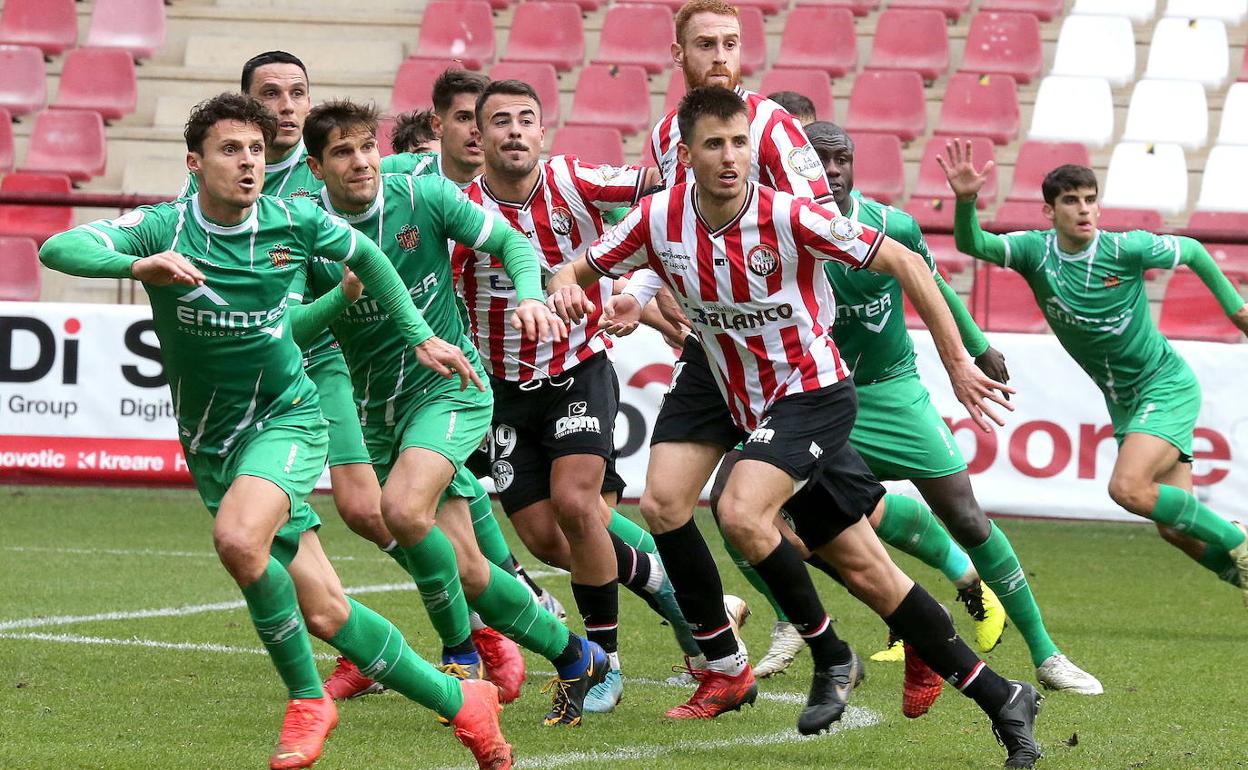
(693, 408)
(842, 491)
(539, 421)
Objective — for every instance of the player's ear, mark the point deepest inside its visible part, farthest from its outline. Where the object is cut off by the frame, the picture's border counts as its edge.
(194, 163)
(435, 125)
(678, 54)
(314, 165)
(682, 154)
(1048, 212)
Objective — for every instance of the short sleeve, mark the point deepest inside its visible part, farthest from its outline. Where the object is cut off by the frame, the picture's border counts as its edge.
(787, 161)
(824, 234)
(606, 187)
(1148, 250)
(1024, 250)
(623, 248)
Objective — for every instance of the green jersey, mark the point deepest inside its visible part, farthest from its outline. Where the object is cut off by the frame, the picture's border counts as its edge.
(414, 163)
(289, 177)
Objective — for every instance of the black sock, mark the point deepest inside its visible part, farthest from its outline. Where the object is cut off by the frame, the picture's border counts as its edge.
(633, 566)
(600, 608)
(785, 574)
(519, 571)
(821, 564)
(699, 592)
(922, 622)
(571, 652)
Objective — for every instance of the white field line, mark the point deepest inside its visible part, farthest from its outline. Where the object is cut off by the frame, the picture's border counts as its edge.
(149, 643)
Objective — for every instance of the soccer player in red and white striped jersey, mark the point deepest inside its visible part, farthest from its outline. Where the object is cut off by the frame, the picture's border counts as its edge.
(745, 263)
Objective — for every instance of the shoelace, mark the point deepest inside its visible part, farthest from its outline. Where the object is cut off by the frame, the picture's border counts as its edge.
(973, 598)
(457, 670)
(687, 668)
(562, 699)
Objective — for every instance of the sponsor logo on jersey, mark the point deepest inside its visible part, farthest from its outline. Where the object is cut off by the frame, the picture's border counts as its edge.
(302, 192)
(279, 255)
(1110, 281)
(816, 451)
(130, 218)
(804, 162)
(503, 474)
(228, 321)
(577, 421)
(881, 308)
(561, 220)
(844, 229)
(408, 237)
(730, 319)
(763, 260)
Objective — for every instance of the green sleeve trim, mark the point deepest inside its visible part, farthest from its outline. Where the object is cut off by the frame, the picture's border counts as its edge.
(970, 239)
(308, 320)
(518, 258)
(383, 283)
(80, 252)
(972, 338)
(1195, 256)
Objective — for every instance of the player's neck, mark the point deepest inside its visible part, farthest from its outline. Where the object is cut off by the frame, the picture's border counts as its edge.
(221, 212)
(716, 211)
(457, 172)
(512, 189)
(1071, 245)
(347, 208)
(278, 154)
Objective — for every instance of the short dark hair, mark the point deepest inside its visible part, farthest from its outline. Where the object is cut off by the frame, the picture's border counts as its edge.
(342, 114)
(510, 88)
(235, 107)
(713, 101)
(412, 129)
(794, 103)
(269, 57)
(452, 83)
(824, 137)
(1066, 178)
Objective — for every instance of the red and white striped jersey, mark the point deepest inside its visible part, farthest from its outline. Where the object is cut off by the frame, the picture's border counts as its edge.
(561, 218)
(782, 157)
(754, 289)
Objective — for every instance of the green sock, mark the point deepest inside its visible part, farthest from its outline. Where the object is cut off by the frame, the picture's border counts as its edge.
(396, 553)
(509, 608)
(631, 533)
(910, 527)
(431, 563)
(373, 643)
(754, 579)
(275, 613)
(1180, 511)
(998, 567)
(1219, 562)
(489, 535)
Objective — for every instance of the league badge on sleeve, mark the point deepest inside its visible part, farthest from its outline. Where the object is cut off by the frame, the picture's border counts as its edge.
(129, 219)
(844, 229)
(804, 162)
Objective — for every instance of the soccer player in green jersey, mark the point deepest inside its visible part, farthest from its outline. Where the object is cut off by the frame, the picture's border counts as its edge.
(413, 132)
(418, 429)
(218, 268)
(1090, 285)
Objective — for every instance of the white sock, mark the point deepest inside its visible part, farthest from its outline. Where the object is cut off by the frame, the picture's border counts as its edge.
(731, 665)
(475, 622)
(656, 573)
(614, 659)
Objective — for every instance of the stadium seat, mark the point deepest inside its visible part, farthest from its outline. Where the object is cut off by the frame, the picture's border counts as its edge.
(1189, 49)
(1230, 11)
(980, 105)
(1243, 70)
(932, 181)
(1138, 11)
(1232, 258)
(98, 79)
(1168, 111)
(1146, 176)
(1073, 109)
(544, 80)
(1234, 128)
(879, 171)
(23, 79)
(458, 29)
(888, 102)
(613, 97)
(1020, 215)
(810, 83)
(675, 90)
(908, 39)
(1044, 10)
(1036, 159)
(1224, 185)
(6, 142)
(946, 255)
(952, 9)
(857, 7)
(137, 26)
(547, 32)
(931, 213)
(767, 7)
(594, 143)
(1224, 223)
(1190, 312)
(1096, 46)
(1120, 220)
(69, 142)
(1004, 44)
(413, 83)
(37, 222)
(19, 280)
(385, 127)
(49, 25)
(1001, 301)
(637, 34)
(819, 38)
(671, 5)
(753, 41)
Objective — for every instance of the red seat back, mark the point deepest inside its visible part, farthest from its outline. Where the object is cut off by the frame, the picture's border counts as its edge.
(69, 142)
(980, 105)
(1004, 44)
(613, 97)
(1121, 220)
(49, 25)
(819, 38)
(1036, 159)
(637, 34)
(413, 83)
(98, 79)
(593, 143)
(6, 142)
(1189, 311)
(542, 77)
(19, 269)
(547, 32)
(879, 171)
(458, 29)
(36, 222)
(1044, 10)
(932, 180)
(813, 84)
(23, 79)
(753, 40)
(952, 9)
(137, 26)
(911, 39)
(1001, 301)
(888, 102)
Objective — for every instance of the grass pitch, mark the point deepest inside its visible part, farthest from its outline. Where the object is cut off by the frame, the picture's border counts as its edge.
(87, 682)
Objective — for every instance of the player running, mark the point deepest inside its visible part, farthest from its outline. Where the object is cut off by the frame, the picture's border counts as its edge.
(1090, 285)
(218, 269)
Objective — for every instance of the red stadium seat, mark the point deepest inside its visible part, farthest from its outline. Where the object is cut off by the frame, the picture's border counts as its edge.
(413, 83)
(37, 222)
(6, 142)
(98, 79)
(908, 39)
(931, 213)
(502, 5)
(69, 142)
(544, 80)
(614, 97)
(980, 105)
(1232, 258)
(1228, 223)
(458, 29)
(137, 26)
(819, 38)
(888, 102)
(945, 252)
(952, 9)
(385, 127)
(813, 84)
(1243, 70)
(1044, 10)
(23, 79)
(879, 171)
(1004, 44)
(594, 143)
(547, 32)
(589, 6)
(932, 181)
(1001, 301)
(675, 91)
(19, 278)
(637, 34)
(1020, 215)
(1121, 220)
(768, 7)
(753, 40)
(858, 7)
(1190, 312)
(1036, 160)
(49, 25)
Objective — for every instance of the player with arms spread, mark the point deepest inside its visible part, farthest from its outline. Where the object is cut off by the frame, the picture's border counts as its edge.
(1090, 285)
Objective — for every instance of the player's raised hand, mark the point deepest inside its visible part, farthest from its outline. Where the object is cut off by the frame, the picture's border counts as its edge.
(621, 316)
(165, 269)
(352, 286)
(570, 304)
(1240, 319)
(992, 363)
(447, 360)
(977, 390)
(537, 322)
(959, 168)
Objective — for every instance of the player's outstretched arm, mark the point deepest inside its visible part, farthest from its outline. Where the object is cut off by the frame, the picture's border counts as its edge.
(966, 182)
(309, 319)
(82, 253)
(1193, 254)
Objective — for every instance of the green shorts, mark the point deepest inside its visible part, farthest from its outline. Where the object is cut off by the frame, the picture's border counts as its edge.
(333, 383)
(900, 434)
(290, 452)
(1167, 408)
(444, 419)
(464, 485)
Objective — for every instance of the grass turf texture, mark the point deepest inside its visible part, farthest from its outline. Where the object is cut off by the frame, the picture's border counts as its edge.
(1164, 637)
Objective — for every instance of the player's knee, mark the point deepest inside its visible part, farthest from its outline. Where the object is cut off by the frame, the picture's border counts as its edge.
(1131, 493)
(968, 524)
(245, 559)
(576, 505)
(737, 522)
(406, 524)
(326, 618)
(664, 512)
(474, 575)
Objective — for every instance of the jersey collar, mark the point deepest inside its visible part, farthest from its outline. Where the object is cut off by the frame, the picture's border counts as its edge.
(247, 225)
(364, 215)
(745, 205)
(1087, 252)
(442, 173)
(527, 202)
(297, 154)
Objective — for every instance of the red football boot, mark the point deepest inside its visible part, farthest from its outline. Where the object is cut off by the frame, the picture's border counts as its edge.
(476, 725)
(347, 682)
(922, 686)
(307, 724)
(717, 693)
(504, 665)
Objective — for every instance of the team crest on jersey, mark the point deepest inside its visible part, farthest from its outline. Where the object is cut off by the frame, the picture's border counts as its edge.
(408, 237)
(503, 474)
(1111, 281)
(844, 229)
(130, 218)
(279, 255)
(804, 162)
(302, 192)
(763, 260)
(561, 220)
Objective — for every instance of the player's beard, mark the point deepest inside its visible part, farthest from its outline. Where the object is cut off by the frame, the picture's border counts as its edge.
(734, 78)
(514, 169)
